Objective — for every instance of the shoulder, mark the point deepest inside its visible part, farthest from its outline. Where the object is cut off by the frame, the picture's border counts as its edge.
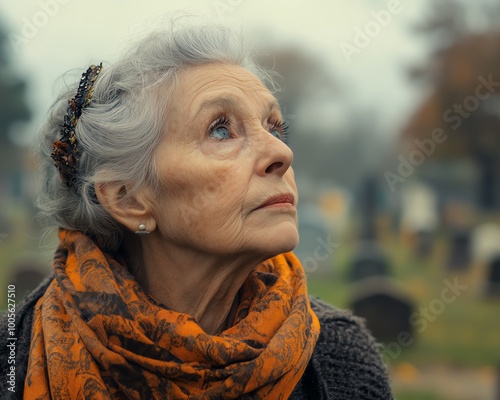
(18, 319)
(346, 359)
(343, 335)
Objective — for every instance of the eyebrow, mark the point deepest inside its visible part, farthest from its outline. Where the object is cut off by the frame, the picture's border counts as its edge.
(229, 102)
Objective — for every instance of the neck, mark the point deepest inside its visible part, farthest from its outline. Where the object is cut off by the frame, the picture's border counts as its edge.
(203, 286)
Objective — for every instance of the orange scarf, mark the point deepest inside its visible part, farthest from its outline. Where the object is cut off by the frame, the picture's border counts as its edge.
(97, 334)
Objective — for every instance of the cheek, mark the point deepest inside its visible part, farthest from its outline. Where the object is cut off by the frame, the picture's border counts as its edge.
(202, 199)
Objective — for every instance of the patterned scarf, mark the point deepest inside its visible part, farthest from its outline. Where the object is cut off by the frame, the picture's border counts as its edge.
(97, 334)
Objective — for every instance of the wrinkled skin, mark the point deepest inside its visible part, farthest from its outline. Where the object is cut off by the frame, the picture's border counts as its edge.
(207, 233)
(213, 186)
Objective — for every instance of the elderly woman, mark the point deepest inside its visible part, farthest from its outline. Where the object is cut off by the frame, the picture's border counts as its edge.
(176, 205)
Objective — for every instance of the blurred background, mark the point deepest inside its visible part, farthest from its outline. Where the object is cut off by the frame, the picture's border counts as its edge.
(394, 110)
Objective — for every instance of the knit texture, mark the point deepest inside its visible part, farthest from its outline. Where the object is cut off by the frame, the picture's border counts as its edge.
(345, 364)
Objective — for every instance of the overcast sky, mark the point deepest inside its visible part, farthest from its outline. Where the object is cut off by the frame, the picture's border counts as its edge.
(50, 37)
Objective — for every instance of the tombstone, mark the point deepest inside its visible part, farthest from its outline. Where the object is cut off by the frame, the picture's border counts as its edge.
(5, 227)
(315, 249)
(369, 206)
(27, 276)
(336, 203)
(493, 278)
(425, 243)
(485, 242)
(369, 260)
(420, 216)
(385, 308)
(459, 257)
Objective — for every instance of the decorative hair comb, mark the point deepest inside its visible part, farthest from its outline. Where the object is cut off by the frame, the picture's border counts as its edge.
(65, 150)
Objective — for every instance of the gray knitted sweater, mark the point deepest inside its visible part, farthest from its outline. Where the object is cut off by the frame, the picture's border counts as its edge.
(345, 363)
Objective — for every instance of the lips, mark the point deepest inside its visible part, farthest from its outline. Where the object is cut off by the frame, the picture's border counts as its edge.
(286, 199)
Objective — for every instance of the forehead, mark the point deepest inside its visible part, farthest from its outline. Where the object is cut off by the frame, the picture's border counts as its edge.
(205, 84)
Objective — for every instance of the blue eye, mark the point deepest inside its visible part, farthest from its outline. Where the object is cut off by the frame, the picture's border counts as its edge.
(219, 130)
(280, 131)
(220, 133)
(277, 134)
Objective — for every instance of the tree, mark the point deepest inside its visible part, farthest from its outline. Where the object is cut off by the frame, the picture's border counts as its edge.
(13, 106)
(464, 101)
(13, 109)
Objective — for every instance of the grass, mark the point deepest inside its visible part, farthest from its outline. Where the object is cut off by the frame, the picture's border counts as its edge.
(465, 335)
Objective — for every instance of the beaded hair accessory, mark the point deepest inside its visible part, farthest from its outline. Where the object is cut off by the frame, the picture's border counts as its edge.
(65, 150)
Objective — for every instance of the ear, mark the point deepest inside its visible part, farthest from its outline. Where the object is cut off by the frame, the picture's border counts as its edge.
(130, 210)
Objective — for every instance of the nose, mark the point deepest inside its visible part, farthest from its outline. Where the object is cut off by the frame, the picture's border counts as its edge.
(274, 157)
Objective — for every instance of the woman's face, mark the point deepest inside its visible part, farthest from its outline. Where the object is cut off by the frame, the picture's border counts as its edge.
(222, 159)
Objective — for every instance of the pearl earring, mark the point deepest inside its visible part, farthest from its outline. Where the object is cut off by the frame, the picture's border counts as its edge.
(142, 230)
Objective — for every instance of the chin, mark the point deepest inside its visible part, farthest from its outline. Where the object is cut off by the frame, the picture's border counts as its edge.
(281, 239)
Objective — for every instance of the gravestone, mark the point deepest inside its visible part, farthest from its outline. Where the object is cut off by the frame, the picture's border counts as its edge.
(368, 209)
(425, 243)
(493, 278)
(485, 242)
(419, 216)
(368, 260)
(336, 203)
(459, 257)
(315, 249)
(5, 227)
(385, 308)
(27, 276)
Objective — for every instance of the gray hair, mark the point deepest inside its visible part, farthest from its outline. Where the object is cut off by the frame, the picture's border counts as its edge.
(119, 131)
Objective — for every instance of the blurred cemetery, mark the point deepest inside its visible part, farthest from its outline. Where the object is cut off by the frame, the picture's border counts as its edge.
(404, 232)
(407, 233)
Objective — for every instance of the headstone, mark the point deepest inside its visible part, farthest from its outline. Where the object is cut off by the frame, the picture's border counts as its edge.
(369, 197)
(387, 309)
(485, 242)
(5, 227)
(493, 278)
(459, 257)
(316, 248)
(425, 243)
(336, 203)
(369, 260)
(26, 277)
(420, 216)
(488, 181)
